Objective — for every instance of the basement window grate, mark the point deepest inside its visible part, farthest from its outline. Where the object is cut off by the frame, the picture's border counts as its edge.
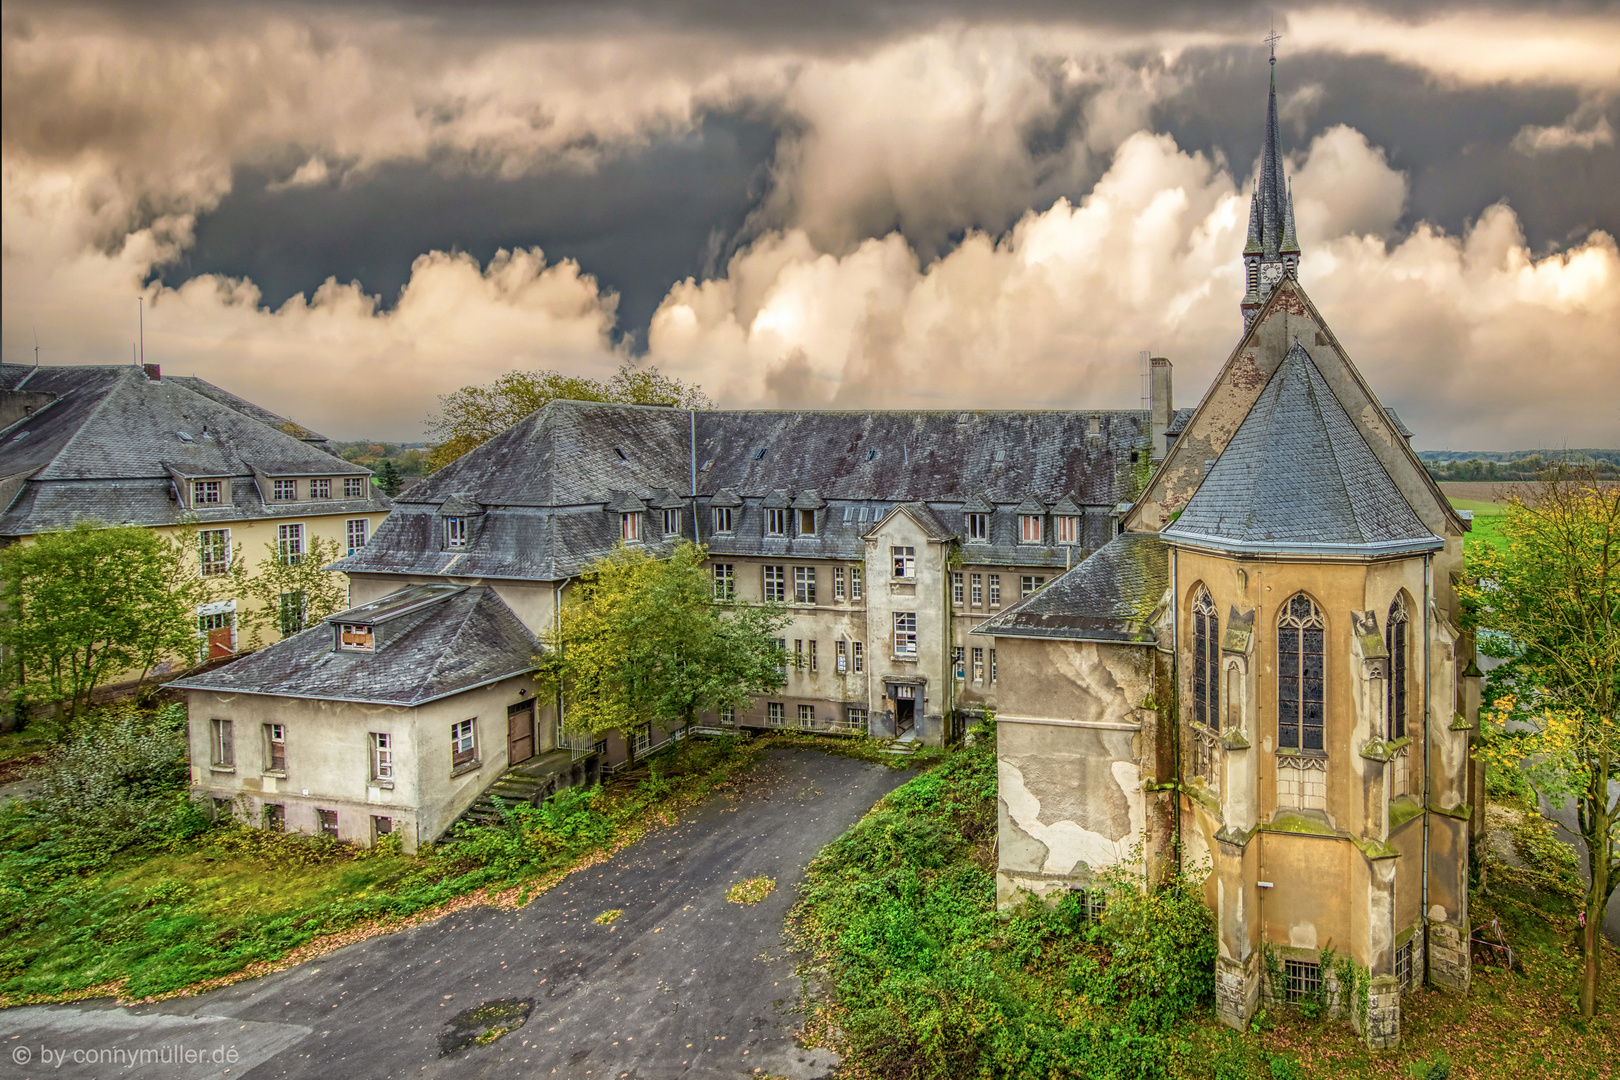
(1301, 980)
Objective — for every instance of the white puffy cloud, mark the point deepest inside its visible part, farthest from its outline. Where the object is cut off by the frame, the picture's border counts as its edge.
(1586, 128)
(1459, 333)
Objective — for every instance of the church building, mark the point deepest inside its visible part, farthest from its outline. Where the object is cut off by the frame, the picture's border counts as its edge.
(1264, 677)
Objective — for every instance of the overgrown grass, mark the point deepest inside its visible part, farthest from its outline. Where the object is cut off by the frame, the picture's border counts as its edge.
(1487, 524)
(926, 979)
(83, 912)
(32, 739)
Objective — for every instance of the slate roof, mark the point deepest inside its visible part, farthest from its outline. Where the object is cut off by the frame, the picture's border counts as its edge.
(547, 484)
(1109, 596)
(1298, 476)
(106, 444)
(465, 638)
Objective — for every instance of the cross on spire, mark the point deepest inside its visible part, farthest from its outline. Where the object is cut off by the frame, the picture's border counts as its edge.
(1272, 39)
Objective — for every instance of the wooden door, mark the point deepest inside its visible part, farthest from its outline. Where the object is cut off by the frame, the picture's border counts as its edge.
(519, 732)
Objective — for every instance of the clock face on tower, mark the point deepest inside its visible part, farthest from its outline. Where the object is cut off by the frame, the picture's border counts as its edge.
(1270, 274)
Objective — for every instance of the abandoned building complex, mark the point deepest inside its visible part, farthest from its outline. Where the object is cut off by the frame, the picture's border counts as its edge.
(1224, 635)
(122, 445)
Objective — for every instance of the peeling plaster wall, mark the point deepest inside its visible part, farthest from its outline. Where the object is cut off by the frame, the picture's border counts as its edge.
(1072, 745)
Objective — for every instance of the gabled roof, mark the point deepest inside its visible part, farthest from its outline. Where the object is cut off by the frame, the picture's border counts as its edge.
(1110, 596)
(1299, 476)
(1065, 507)
(1287, 317)
(924, 517)
(1031, 505)
(459, 640)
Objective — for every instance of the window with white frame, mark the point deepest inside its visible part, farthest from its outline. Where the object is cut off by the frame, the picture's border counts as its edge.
(224, 745)
(206, 493)
(1206, 662)
(284, 490)
(358, 531)
(855, 583)
(978, 663)
(1030, 584)
(1029, 528)
(727, 715)
(356, 637)
(672, 522)
(214, 552)
(995, 590)
(958, 662)
(775, 713)
(725, 581)
(905, 561)
(382, 755)
(722, 519)
(807, 522)
(290, 542)
(775, 585)
(841, 656)
(275, 748)
(807, 716)
(810, 655)
(976, 589)
(798, 653)
(857, 717)
(958, 588)
(978, 528)
(857, 656)
(354, 487)
(630, 527)
(992, 665)
(463, 743)
(838, 583)
(804, 584)
(455, 533)
(320, 489)
(1067, 527)
(905, 634)
(775, 521)
(1300, 675)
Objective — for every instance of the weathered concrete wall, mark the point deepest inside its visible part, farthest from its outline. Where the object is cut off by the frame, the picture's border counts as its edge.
(1071, 747)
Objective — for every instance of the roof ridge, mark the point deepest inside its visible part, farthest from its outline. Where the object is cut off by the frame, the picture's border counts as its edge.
(1323, 420)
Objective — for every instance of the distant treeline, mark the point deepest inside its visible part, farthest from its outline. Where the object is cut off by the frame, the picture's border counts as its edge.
(1450, 465)
(410, 459)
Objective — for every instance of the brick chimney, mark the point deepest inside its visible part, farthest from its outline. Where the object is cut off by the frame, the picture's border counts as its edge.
(1161, 406)
(153, 372)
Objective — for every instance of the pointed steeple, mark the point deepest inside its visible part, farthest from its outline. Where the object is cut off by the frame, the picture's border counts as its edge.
(1253, 246)
(1290, 243)
(1272, 248)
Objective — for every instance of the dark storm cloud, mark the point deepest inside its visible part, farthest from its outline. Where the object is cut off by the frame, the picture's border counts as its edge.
(1454, 142)
(640, 221)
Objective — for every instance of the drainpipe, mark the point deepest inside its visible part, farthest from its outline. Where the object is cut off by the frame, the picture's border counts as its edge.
(1428, 600)
(1175, 695)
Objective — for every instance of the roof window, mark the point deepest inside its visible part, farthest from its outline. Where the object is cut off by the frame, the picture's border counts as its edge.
(759, 455)
(871, 455)
(621, 453)
(184, 437)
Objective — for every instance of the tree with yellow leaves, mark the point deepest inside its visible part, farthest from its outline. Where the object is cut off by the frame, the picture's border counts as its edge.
(1552, 596)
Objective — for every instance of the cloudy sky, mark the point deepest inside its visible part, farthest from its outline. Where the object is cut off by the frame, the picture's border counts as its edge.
(343, 210)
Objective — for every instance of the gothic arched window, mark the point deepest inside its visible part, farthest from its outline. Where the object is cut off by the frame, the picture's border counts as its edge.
(1395, 638)
(1206, 662)
(1299, 675)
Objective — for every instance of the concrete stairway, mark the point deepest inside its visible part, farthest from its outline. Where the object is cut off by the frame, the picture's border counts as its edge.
(529, 782)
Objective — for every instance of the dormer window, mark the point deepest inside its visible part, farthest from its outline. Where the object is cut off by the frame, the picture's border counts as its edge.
(672, 522)
(775, 522)
(206, 493)
(455, 533)
(1029, 528)
(354, 487)
(1094, 425)
(1068, 529)
(807, 523)
(905, 562)
(356, 637)
(284, 490)
(978, 528)
(630, 528)
(722, 519)
(320, 489)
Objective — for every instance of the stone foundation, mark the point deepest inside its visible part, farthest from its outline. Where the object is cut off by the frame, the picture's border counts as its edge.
(1383, 1023)
(1448, 957)
(1237, 990)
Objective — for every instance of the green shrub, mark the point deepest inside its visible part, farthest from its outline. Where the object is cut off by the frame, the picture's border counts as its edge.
(931, 981)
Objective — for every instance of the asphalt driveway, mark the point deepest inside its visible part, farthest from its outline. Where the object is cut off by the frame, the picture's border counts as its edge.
(683, 984)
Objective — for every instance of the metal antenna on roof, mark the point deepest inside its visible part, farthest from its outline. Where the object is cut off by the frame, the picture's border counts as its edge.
(140, 308)
(36, 346)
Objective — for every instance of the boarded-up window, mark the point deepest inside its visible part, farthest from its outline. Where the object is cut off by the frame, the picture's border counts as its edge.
(328, 822)
(463, 743)
(356, 637)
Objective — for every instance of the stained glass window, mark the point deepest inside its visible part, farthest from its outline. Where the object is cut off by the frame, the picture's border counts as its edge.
(1300, 675)
(1206, 662)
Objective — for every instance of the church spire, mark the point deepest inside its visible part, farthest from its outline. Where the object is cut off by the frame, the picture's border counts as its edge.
(1272, 247)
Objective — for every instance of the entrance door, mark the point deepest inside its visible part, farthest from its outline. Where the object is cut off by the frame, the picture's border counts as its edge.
(219, 634)
(519, 732)
(905, 716)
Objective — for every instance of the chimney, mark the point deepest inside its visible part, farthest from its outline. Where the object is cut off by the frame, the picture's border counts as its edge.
(1161, 407)
(153, 372)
